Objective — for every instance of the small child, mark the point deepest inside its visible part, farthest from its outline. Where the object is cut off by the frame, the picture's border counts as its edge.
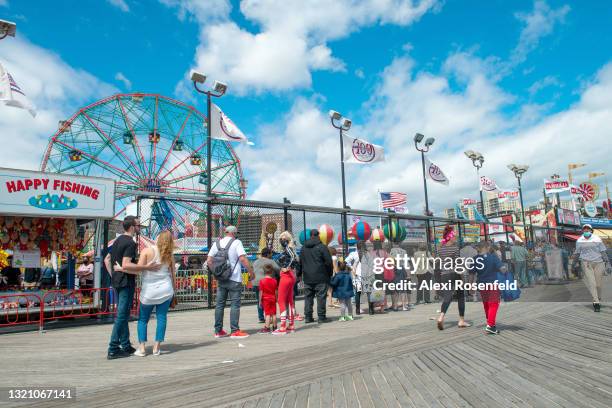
(342, 284)
(267, 298)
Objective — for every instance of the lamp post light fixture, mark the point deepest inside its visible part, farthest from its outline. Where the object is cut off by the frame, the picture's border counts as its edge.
(418, 138)
(7, 28)
(342, 124)
(477, 161)
(218, 90)
(518, 171)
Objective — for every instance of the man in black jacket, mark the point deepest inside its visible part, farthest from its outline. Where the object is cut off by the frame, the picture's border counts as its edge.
(317, 270)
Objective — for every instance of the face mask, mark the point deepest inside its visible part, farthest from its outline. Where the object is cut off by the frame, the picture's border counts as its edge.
(284, 243)
(587, 234)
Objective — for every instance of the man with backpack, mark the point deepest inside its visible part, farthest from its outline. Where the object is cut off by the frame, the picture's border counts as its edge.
(224, 261)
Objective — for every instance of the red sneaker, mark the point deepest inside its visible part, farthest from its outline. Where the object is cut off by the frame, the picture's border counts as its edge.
(239, 335)
(291, 329)
(221, 334)
(265, 330)
(280, 332)
(298, 317)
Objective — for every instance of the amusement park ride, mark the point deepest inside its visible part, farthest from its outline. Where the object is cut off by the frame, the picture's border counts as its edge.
(147, 142)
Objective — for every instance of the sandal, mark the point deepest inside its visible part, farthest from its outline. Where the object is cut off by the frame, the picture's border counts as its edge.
(464, 325)
(440, 325)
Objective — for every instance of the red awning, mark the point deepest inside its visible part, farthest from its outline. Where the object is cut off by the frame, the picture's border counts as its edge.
(573, 237)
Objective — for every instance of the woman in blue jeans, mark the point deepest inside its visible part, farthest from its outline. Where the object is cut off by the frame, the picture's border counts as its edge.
(157, 291)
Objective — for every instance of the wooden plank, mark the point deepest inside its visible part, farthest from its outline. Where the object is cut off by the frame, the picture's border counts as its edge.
(349, 391)
(326, 392)
(314, 395)
(338, 398)
(375, 393)
(361, 391)
(396, 388)
(384, 387)
(416, 399)
(264, 401)
(414, 375)
(277, 399)
(301, 400)
(290, 396)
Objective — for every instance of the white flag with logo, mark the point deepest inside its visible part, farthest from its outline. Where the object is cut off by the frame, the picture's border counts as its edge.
(434, 173)
(488, 184)
(361, 151)
(11, 94)
(223, 128)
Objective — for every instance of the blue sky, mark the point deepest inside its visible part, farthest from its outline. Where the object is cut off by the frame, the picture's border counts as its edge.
(512, 79)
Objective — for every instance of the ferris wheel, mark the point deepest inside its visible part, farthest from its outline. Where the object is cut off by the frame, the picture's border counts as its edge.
(151, 143)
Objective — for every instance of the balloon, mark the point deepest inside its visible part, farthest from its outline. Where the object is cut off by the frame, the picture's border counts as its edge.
(361, 230)
(394, 232)
(304, 236)
(377, 235)
(326, 234)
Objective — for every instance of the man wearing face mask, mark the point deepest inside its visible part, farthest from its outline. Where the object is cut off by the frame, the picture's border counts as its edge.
(593, 259)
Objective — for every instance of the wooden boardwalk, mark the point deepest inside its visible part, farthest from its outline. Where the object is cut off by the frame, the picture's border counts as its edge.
(548, 355)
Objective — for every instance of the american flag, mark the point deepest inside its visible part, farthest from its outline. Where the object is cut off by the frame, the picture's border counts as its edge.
(392, 199)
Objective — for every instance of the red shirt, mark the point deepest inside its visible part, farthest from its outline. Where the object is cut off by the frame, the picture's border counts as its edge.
(267, 286)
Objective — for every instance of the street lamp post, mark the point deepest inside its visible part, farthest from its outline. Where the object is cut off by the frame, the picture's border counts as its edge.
(218, 90)
(477, 161)
(418, 138)
(342, 126)
(7, 28)
(518, 171)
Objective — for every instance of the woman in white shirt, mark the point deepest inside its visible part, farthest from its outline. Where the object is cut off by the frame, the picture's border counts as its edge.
(157, 291)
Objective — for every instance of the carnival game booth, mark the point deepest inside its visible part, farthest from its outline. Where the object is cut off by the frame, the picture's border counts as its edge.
(43, 219)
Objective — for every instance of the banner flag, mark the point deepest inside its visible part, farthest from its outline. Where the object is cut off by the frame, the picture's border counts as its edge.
(12, 95)
(488, 184)
(223, 128)
(506, 195)
(434, 173)
(553, 187)
(359, 151)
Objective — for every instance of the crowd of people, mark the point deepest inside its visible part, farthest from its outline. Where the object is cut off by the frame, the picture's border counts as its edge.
(351, 281)
(48, 276)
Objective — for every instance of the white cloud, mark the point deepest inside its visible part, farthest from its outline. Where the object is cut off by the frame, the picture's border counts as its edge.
(359, 73)
(120, 4)
(549, 80)
(299, 158)
(123, 79)
(291, 39)
(57, 90)
(539, 23)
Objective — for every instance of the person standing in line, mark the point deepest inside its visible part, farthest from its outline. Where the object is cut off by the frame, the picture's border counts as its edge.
(121, 260)
(519, 261)
(342, 285)
(399, 296)
(258, 269)
(317, 269)
(157, 291)
(423, 273)
(487, 274)
(449, 252)
(334, 255)
(231, 287)
(594, 261)
(356, 267)
(289, 264)
(267, 298)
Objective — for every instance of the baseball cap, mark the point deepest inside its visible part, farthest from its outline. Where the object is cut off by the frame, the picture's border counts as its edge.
(585, 226)
(230, 229)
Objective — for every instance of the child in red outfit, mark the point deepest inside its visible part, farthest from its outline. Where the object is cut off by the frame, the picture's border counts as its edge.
(267, 298)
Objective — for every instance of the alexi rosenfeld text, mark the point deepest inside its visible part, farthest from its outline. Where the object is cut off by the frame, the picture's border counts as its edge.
(459, 265)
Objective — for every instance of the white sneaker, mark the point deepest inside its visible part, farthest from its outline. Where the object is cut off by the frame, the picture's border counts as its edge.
(140, 353)
(158, 352)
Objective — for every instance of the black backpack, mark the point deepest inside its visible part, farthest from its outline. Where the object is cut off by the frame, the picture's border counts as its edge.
(221, 268)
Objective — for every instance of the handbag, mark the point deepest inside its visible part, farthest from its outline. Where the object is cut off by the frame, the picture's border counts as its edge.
(377, 296)
(508, 294)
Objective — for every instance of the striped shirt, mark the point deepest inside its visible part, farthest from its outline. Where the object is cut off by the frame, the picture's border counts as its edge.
(448, 255)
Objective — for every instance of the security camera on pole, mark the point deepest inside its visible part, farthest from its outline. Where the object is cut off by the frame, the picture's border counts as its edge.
(418, 138)
(518, 171)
